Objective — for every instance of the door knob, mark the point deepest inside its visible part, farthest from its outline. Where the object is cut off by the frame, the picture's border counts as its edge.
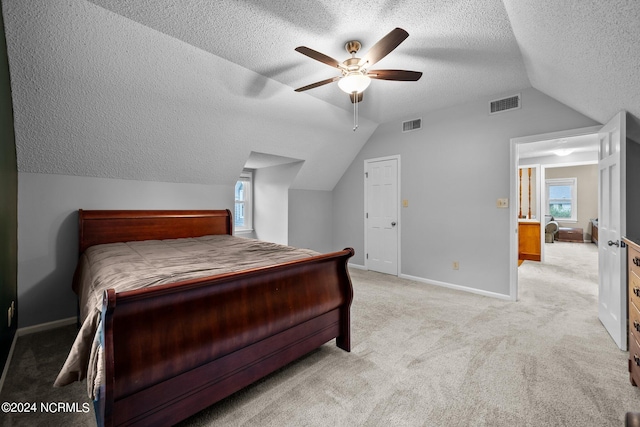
(393, 224)
(611, 243)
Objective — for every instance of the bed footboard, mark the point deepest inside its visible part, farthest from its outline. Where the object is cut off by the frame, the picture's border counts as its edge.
(172, 350)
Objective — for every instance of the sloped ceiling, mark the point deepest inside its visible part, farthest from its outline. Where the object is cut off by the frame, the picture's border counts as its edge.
(584, 53)
(465, 49)
(184, 91)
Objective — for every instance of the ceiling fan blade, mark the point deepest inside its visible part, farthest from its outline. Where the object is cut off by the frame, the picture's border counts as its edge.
(384, 46)
(353, 98)
(316, 84)
(314, 54)
(401, 75)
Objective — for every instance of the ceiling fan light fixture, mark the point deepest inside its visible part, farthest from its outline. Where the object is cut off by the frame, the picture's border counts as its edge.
(354, 82)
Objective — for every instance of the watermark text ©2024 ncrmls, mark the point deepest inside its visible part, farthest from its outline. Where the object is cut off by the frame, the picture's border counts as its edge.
(45, 407)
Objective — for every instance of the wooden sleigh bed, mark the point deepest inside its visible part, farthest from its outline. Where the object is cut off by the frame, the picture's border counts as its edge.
(171, 350)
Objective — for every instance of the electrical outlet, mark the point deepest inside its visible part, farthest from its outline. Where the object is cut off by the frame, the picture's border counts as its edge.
(456, 265)
(502, 203)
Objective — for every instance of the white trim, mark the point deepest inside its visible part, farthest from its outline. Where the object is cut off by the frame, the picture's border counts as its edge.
(513, 222)
(357, 266)
(46, 326)
(456, 287)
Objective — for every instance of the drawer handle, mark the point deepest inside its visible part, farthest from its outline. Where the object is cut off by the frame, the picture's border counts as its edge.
(636, 291)
(636, 261)
(636, 359)
(636, 325)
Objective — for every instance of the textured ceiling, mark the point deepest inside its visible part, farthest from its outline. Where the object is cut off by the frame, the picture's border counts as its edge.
(584, 53)
(466, 49)
(185, 91)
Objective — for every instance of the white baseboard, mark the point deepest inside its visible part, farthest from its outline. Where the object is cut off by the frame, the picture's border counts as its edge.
(46, 326)
(32, 330)
(444, 284)
(457, 287)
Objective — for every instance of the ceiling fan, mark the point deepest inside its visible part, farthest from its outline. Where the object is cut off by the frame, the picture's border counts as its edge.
(356, 74)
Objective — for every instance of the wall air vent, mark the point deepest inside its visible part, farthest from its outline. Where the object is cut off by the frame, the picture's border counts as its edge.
(410, 125)
(504, 104)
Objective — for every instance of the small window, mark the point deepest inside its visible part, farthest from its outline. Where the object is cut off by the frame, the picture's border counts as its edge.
(562, 198)
(243, 215)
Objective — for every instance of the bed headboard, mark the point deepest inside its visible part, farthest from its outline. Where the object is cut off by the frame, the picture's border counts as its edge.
(109, 226)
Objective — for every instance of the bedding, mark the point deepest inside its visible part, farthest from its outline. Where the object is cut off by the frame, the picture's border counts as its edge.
(141, 264)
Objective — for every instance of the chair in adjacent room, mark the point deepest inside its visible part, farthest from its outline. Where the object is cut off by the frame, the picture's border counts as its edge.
(550, 229)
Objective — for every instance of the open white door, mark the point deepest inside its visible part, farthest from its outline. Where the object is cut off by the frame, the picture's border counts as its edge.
(612, 295)
(381, 238)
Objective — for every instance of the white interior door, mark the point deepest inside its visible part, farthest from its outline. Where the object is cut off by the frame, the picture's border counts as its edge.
(612, 295)
(381, 216)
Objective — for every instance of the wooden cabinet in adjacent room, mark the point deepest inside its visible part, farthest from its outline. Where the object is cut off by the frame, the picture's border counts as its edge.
(529, 241)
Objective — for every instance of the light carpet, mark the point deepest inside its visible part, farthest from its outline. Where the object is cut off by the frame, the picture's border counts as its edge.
(421, 356)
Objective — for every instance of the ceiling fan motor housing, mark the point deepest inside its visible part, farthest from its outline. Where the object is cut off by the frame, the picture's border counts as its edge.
(353, 46)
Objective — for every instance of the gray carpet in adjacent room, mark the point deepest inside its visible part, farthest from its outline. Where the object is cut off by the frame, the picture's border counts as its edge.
(421, 355)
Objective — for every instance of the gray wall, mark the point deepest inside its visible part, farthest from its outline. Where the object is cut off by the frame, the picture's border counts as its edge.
(271, 201)
(310, 219)
(452, 172)
(8, 204)
(48, 231)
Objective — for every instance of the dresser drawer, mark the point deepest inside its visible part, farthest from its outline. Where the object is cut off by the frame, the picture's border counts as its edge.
(634, 261)
(634, 289)
(634, 322)
(634, 361)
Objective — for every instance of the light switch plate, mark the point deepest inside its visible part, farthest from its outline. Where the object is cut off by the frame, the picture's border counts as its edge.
(502, 203)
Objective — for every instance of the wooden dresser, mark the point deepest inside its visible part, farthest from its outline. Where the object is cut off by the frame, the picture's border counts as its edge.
(633, 278)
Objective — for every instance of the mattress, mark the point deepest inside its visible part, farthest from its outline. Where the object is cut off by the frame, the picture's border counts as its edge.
(136, 265)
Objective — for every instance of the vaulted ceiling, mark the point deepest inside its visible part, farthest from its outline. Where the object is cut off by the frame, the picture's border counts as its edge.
(185, 91)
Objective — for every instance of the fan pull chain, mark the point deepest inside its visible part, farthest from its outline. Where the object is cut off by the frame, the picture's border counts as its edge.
(355, 111)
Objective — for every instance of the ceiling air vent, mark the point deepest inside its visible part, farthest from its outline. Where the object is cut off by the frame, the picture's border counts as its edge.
(411, 125)
(504, 104)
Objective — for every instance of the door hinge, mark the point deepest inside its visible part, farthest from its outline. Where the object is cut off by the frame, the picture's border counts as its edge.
(366, 174)
(366, 215)
(367, 256)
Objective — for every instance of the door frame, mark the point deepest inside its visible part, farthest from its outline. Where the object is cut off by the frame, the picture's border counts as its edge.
(513, 194)
(398, 211)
